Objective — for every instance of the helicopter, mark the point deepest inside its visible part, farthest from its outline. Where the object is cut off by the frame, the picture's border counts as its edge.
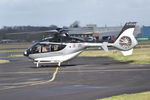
(62, 47)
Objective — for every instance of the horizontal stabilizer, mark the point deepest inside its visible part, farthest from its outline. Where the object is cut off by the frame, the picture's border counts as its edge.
(104, 46)
(127, 53)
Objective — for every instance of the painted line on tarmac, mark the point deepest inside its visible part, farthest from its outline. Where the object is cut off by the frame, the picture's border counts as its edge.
(81, 70)
(36, 72)
(112, 70)
(26, 84)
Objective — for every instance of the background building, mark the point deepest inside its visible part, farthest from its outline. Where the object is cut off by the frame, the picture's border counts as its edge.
(91, 31)
(144, 34)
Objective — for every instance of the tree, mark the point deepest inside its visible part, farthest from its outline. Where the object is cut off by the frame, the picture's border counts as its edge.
(75, 24)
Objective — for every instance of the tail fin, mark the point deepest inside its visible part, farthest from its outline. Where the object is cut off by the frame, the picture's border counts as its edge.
(126, 40)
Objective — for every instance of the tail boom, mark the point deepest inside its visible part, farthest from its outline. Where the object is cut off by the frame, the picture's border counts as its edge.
(124, 42)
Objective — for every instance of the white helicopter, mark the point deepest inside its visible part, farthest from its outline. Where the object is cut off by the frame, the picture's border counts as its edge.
(62, 47)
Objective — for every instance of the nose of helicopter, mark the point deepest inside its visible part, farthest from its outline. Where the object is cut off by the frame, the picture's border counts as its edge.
(26, 53)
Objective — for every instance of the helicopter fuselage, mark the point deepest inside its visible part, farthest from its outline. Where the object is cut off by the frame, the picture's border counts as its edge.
(47, 52)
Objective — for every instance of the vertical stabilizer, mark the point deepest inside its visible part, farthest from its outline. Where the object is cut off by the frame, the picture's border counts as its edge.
(126, 40)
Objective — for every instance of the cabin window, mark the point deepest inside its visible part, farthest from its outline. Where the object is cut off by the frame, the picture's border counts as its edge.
(43, 48)
(75, 41)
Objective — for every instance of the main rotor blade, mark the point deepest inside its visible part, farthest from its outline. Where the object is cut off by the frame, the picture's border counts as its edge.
(34, 32)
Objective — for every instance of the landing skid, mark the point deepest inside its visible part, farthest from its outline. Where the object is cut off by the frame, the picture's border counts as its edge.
(45, 62)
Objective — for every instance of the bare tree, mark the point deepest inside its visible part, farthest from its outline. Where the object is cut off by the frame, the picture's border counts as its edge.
(75, 24)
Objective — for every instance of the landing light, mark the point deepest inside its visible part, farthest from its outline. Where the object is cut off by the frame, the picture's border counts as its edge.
(25, 53)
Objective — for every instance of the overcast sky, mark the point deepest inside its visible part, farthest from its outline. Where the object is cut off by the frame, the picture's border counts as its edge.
(65, 12)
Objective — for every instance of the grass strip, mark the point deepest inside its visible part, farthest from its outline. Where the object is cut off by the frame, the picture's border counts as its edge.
(16, 55)
(4, 61)
(136, 96)
(139, 56)
(12, 50)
